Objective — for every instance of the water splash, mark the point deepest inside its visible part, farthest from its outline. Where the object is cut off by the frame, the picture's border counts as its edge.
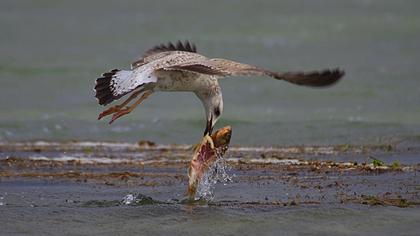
(128, 199)
(217, 173)
(139, 199)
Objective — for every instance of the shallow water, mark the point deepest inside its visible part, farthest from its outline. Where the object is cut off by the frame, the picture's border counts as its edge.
(163, 219)
(52, 51)
(125, 188)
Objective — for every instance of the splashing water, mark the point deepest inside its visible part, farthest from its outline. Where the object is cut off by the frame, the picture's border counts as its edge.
(138, 200)
(217, 173)
(128, 199)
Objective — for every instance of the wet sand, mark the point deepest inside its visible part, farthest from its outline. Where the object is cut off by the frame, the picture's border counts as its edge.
(80, 187)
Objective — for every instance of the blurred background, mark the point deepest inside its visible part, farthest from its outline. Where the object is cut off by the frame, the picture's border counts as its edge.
(52, 51)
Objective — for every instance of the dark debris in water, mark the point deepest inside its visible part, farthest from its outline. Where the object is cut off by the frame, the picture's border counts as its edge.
(142, 199)
(383, 201)
(138, 200)
(101, 203)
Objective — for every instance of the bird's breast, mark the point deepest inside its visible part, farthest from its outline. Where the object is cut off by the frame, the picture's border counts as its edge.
(183, 81)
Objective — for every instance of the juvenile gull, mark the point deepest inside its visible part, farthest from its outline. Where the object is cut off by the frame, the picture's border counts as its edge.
(178, 67)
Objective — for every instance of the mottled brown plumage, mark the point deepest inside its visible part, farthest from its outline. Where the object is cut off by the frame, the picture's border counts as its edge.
(186, 47)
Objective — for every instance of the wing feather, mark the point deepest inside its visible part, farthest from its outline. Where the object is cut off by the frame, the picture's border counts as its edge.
(170, 47)
(117, 83)
(223, 67)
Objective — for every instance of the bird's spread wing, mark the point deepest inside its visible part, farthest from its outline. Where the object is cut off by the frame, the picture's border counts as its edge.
(184, 57)
(223, 67)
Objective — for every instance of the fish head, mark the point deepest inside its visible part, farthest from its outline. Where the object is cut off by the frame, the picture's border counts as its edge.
(221, 138)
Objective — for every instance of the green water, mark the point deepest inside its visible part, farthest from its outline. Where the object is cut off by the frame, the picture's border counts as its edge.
(52, 51)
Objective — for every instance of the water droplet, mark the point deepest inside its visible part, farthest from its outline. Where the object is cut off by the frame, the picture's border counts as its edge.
(217, 173)
(128, 199)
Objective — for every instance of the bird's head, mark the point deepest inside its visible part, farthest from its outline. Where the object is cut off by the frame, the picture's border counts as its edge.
(213, 112)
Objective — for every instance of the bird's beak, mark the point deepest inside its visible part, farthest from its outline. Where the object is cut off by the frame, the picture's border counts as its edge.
(209, 127)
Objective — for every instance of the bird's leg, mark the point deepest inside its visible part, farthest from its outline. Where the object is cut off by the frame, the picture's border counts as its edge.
(128, 109)
(117, 108)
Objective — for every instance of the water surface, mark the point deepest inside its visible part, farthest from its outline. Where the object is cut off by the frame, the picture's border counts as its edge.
(52, 51)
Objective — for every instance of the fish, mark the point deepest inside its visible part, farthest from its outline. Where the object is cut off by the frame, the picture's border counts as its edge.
(206, 153)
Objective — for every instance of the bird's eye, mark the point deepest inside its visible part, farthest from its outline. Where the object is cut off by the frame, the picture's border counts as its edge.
(217, 111)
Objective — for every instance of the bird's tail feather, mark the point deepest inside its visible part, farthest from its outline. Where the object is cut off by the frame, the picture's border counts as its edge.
(105, 86)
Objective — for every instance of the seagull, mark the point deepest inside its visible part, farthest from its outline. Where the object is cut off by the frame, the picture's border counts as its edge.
(179, 68)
